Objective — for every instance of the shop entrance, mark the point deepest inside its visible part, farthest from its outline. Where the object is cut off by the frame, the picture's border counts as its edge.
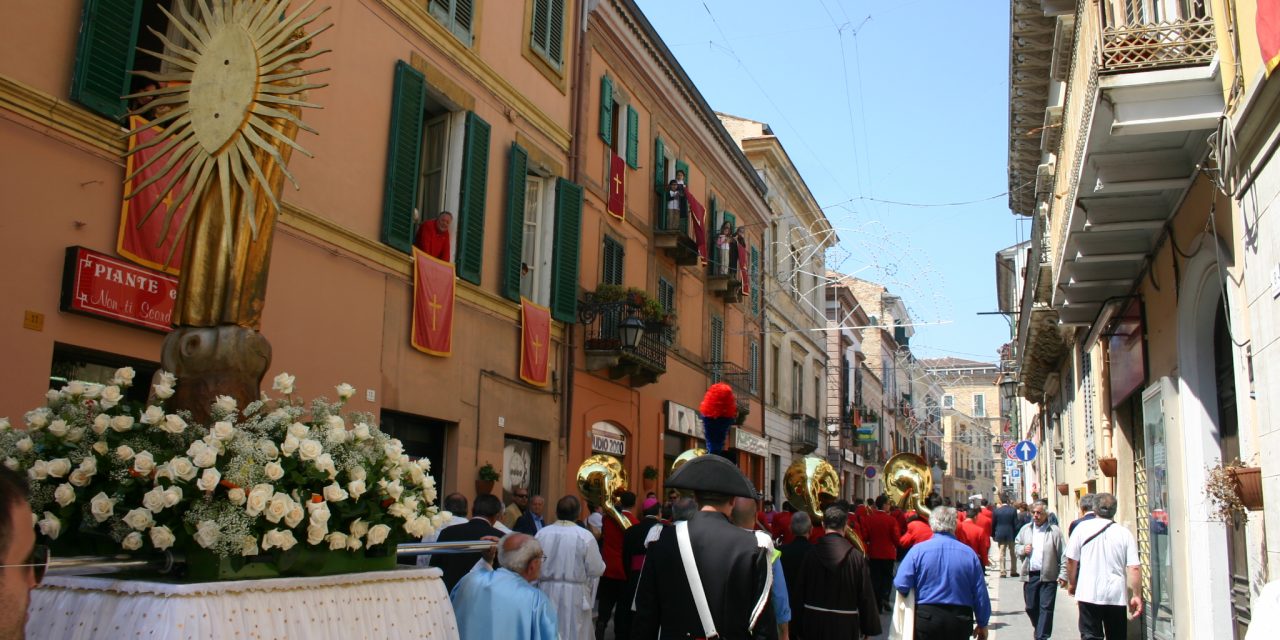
(89, 365)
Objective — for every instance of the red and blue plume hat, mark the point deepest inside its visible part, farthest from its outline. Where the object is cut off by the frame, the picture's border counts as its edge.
(719, 411)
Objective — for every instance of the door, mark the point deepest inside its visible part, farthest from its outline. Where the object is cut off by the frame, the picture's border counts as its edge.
(1229, 442)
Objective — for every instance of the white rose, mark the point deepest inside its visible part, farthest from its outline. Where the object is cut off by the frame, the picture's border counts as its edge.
(337, 541)
(334, 493)
(89, 465)
(248, 546)
(79, 478)
(124, 376)
(139, 519)
(295, 515)
(153, 415)
(58, 428)
(208, 480)
(345, 391)
(91, 391)
(324, 462)
(356, 489)
(59, 467)
(162, 537)
(100, 447)
(75, 435)
(124, 452)
(121, 424)
(393, 489)
(289, 445)
(50, 526)
(308, 449)
(378, 534)
(258, 497)
(236, 496)
(110, 396)
(274, 471)
(144, 463)
(173, 424)
(278, 538)
(207, 533)
(399, 510)
(316, 533)
(162, 391)
(4, 424)
(268, 449)
(358, 528)
(39, 470)
(172, 496)
(283, 383)
(51, 396)
(207, 457)
(223, 430)
(183, 468)
(356, 473)
(74, 388)
(225, 404)
(24, 445)
(101, 422)
(336, 436)
(319, 512)
(361, 432)
(11, 464)
(65, 494)
(335, 422)
(299, 430)
(132, 542)
(277, 507)
(153, 500)
(38, 419)
(165, 378)
(164, 472)
(102, 507)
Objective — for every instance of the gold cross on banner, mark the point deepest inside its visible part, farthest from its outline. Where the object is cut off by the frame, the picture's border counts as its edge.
(537, 349)
(617, 183)
(435, 308)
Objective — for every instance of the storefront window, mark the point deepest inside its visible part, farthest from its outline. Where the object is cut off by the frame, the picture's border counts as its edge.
(1160, 616)
(87, 365)
(521, 466)
(421, 437)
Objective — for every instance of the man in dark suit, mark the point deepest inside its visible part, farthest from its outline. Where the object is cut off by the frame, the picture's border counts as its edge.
(530, 521)
(483, 514)
(793, 555)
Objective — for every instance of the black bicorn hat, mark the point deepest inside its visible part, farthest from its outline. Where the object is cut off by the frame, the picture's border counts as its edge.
(712, 474)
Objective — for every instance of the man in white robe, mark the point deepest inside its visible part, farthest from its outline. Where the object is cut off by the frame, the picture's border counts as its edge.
(571, 571)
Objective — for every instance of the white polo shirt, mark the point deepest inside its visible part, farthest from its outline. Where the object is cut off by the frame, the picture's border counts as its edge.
(1102, 575)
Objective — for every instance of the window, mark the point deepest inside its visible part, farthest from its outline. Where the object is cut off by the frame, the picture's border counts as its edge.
(979, 406)
(817, 395)
(455, 15)
(755, 281)
(548, 31)
(618, 129)
(666, 295)
(797, 390)
(611, 264)
(538, 239)
(775, 368)
(717, 346)
(754, 370)
(948, 401)
(542, 241)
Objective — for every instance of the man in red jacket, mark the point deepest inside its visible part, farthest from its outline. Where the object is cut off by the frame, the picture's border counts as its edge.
(781, 527)
(986, 521)
(971, 533)
(918, 531)
(881, 536)
(433, 235)
(613, 584)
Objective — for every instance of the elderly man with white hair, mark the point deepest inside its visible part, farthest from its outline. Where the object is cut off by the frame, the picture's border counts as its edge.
(502, 603)
(951, 589)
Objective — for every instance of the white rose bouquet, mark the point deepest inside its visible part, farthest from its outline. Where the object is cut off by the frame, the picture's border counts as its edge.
(108, 474)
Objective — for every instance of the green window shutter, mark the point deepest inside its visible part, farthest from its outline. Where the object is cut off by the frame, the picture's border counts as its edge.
(475, 180)
(717, 345)
(713, 229)
(754, 368)
(515, 221)
(548, 30)
(555, 35)
(104, 55)
(633, 137)
(611, 264)
(564, 284)
(666, 295)
(606, 109)
(731, 219)
(404, 150)
(755, 281)
(660, 167)
(682, 166)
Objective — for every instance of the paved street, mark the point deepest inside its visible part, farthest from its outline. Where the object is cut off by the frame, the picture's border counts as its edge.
(1008, 619)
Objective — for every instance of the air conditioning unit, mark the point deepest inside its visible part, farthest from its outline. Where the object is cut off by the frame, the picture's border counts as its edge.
(1044, 178)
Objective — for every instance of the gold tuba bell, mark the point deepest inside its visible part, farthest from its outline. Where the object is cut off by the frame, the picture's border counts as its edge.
(907, 482)
(806, 482)
(600, 478)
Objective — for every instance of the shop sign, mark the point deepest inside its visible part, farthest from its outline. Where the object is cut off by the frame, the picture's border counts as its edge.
(851, 457)
(867, 432)
(750, 442)
(98, 285)
(682, 419)
(606, 444)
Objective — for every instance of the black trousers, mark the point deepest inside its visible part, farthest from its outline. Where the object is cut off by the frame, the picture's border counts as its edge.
(1099, 621)
(944, 622)
(882, 580)
(611, 595)
(1040, 598)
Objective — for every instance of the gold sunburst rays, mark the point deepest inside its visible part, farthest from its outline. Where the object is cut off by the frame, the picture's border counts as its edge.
(223, 104)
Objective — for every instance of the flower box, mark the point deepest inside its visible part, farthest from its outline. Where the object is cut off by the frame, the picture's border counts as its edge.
(1107, 466)
(1249, 486)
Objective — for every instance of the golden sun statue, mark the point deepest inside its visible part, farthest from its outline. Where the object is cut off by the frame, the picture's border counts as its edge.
(230, 104)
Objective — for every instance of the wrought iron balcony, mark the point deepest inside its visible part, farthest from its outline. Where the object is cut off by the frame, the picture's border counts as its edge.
(1138, 35)
(723, 275)
(671, 234)
(804, 433)
(733, 375)
(606, 349)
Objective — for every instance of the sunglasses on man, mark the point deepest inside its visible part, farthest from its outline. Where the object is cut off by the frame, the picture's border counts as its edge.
(38, 561)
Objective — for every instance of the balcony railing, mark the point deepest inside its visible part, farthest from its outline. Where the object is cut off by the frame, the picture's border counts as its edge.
(804, 434)
(1140, 35)
(603, 343)
(738, 378)
(672, 234)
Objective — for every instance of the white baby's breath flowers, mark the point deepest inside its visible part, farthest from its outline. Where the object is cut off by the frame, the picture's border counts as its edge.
(273, 470)
(209, 480)
(139, 519)
(345, 391)
(102, 507)
(378, 534)
(153, 415)
(64, 495)
(132, 542)
(162, 537)
(283, 383)
(50, 526)
(207, 533)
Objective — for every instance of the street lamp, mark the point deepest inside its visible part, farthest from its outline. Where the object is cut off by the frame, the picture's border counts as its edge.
(632, 330)
(1009, 389)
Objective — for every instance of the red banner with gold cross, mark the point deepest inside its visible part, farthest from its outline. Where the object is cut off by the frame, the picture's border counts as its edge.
(1269, 32)
(697, 214)
(617, 184)
(149, 245)
(535, 342)
(433, 282)
(744, 267)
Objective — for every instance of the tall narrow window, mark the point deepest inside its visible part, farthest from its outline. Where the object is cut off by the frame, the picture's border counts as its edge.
(775, 370)
(456, 15)
(797, 387)
(717, 346)
(979, 406)
(612, 264)
(548, 31)
(531, 255)
(753, 353)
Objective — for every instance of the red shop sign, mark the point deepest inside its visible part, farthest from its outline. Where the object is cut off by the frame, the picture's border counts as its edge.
(98, 285)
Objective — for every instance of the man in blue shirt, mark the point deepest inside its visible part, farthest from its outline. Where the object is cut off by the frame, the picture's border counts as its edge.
(951, 589)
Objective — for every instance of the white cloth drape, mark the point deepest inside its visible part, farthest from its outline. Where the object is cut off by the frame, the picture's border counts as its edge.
(904, 616)
(406, 603)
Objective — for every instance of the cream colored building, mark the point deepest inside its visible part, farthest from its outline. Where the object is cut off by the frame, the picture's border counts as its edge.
(971, 423)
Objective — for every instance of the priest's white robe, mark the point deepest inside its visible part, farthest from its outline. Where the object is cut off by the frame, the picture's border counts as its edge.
(569, 576)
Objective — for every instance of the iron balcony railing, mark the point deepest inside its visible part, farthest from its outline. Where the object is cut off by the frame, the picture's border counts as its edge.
(603, 332)
(734, 375)
(804, 434)
(1140, 35)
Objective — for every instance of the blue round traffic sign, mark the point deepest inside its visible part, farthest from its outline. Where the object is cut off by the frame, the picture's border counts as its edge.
(1025, 450)
(871, 472)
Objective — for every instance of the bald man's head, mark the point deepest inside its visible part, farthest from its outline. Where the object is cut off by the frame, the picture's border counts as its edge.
(744, 513)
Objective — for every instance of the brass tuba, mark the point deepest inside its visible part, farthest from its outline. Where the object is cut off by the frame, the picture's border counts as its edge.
(907, 481)
(806, 482)
(686, 456)
(600, 478)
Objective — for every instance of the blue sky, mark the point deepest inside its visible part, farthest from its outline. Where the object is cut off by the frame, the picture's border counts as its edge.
(894, 101)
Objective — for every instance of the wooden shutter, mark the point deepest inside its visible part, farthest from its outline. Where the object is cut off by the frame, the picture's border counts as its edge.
(104, 55)
(564, 276)
(731, 219)
(541, 25)
(712, 230)
(548, 30)
(755, 281)
(633, 137)
(606, 109)
(475, 179)
(754, 367)
(717, 345)
(516, 182)
(404, 151)
(660, 168)
(555, 33)
(666, 295)
(682, 166)
(612, 262)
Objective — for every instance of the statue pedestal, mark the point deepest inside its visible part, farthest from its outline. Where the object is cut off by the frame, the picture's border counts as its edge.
(212, 361)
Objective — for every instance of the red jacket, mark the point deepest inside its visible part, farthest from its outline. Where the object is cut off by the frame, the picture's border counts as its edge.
(901, 518)
(432, 241)
(612, 550)
(781, 527)
(961, 516)
(882, 535)
(917, 531)
(984, 521)
(970, 533)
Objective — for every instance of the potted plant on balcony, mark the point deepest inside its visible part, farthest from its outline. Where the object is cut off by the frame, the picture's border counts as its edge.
(1233, 490)
(485, 477)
